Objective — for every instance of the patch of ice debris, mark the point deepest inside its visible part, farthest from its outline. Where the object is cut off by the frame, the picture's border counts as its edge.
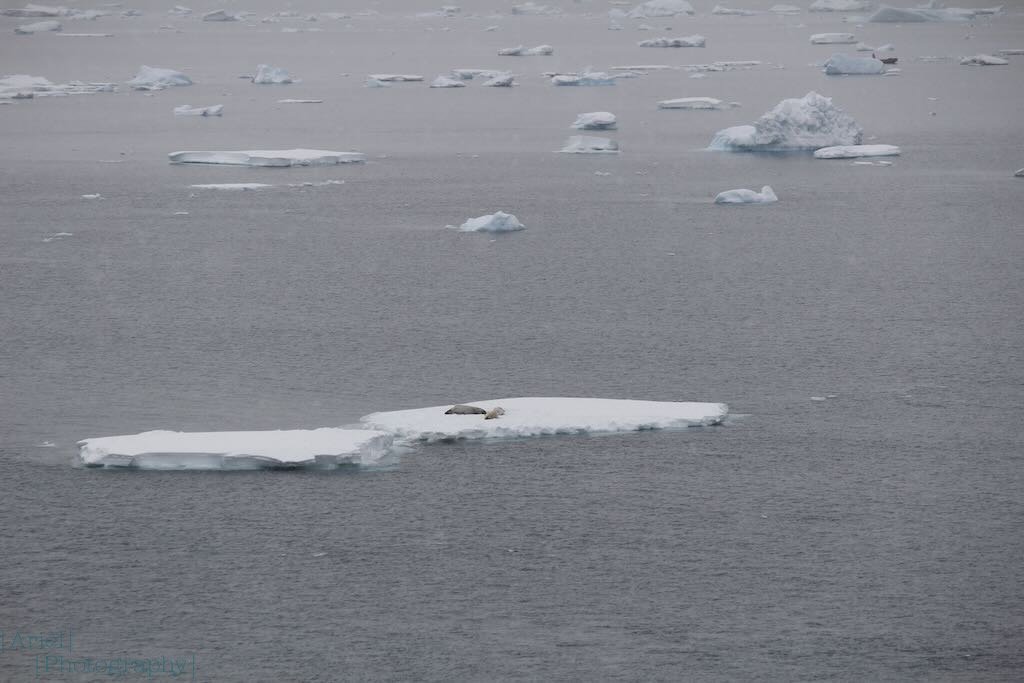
(729, 11)
(219, 15)
(445, 82)
(231, 186)
(765, 196)
(589, 144)
(532, 8)
(660, 8)
(856, 151)
(23, 86)
(906, 15)
(38, 27)
(696, 103)
(840, 6)
(983, 60)
(832, 38)
(685, 41)
(273, 157)
(494, 222)
(396, 78)
(587, 78)
(808, 122)
(522, 51)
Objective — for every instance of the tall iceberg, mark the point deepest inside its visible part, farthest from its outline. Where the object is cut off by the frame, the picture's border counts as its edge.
(808, 122)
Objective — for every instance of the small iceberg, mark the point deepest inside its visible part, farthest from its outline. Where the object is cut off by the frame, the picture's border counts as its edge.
(695, 103)
(503, 80)
(271, 157)
(445, 82)
(493, 222)
(587, 78)
(729, 11)
(38, 27)
(155, 78)
(289, 101)
(856, 151)
(785, 9)
(808, 122)
(187, 110)
(395, 78)
(840, 64)
(906, 15)
(595, 120)
(983, 60)
(272, 75)
(215, 15)
(521, 51)
(840, 6)
(544, 416)
(686, 41)
(660, 8)
(765, 196)
(589, 144)
(832, 39)
(167, 450)
(533, 9)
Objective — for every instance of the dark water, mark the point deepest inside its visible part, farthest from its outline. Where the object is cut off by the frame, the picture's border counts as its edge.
(872, 535)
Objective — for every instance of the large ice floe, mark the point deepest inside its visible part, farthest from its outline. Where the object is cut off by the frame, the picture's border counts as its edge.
(840, 64)
(660, 8)
(395, 78)
(840, 6)
(589, 144)
(695, 103)
(166, 450)
(765, 196)
(189, 110)
(446, 82)
(904, 15)
(38, 27)
(856, 151)
(832, 38)
(545, 416)
(808, 122)
(272, 75)
(595, 120)
(983, 60)
(498, 221)
(685, 41)
(583, 79)
(156, 78)
(23, 86)
(270, 157)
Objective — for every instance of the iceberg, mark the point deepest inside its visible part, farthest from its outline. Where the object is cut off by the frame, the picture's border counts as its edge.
(532, 8)
(785, 9)
(686, 41)
(1019, 173)
(38, 27)
(503, 80)
(155, 78)
(840, 6)
(765, 196)
(589, 144)
(498, 221)
(271, 157)
(983, 60)
(809, 122)
(584, 79)
(395, 78)
(856, 151)
(217, 15)
(272, 75)
(660, 8)
(728, 11)
(544, 416)
(521, 51)
(187, 110)
(595, 120)
(839, 64)
(695, 103)
(909, 15)
(445, 82)
(167, 450)
(832, 38)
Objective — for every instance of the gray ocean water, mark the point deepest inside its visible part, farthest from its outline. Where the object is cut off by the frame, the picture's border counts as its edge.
(872, 535)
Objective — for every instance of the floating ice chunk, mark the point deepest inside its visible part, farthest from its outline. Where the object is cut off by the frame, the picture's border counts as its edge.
(155, 78)
(839, 64)
(589, 144)
(694, 103)
(445, 82)
(840, 6)
(231, 186)
(34, 11)
(728, 11)
(376, 83)
(92, 196)
(765, 196)
(832, 38)
(595, 120)
(983, 60)
(1019, 173)
(470, 74)
(62, 34)
(686, 41)
(23, 86)
(180, 11)
(856, 151)
(219, 15)
(502, 80)
(300, 101)
(532, 8)
(272, 157)
(493, 222)
(907, 15)
(584, 79)
(785, 9)
(521, 51)
(396, 78)
(809, 122)
(272, 75)
(38, 27)
(1012, 51)
(660, 8)
(545, 416)
(644, 67)
(187, 110)
(237, 450)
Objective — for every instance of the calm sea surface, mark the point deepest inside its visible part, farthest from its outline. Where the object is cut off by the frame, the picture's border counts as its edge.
(872, 535)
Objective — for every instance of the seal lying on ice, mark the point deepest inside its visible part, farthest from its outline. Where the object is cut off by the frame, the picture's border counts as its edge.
(494, 413)
(462, 409)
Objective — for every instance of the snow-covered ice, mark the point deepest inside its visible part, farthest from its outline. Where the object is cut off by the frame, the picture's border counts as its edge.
(785, 9)
(219, 15)
(545, 416)
(445, 82)
(522, 51)
(584, 79)
(730, 11)
(156, 78)
(327, 447)
(840, 6)
(188, 110)
(595, 120)
(660, 8)
(832, 38)
(856, 151)
(905, 15)
(38, 27)
(765, 196)
(808, 122)
(272, 75)
(271, 157)
(983, 60)
(396, 78)
(840, 64)
(498, 221)
(685, 41)
(501, 80)
(532, 8)
(589, 144)
(694, 103)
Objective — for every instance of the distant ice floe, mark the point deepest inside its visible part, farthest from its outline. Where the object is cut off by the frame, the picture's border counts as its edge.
(840, 6)
(501, 80)
(686, 41)
(856, 151)
(729, 11)
(231, 186)
(532, 8)
(188, 110)
(785, 9)
(765, 196)
(587, 78)
(272, 157)
(1019, 173)
(23, 87)
(983, 60)
(38, 27)
(704, 103)
(486, 74)
(63, 34)
(445, 82)
(218, 15)
(809, 122)
(395, 78)
(155, 78)
(522, 51)
(166, 450)
(1012, 51)
(904, 15)
(840, 64)
(595, 120)
(287, 101)
(589, 144)
(660, 8)
(544, 416)
(272, 75)
(832, 38)
(498, 221)
(180, 11)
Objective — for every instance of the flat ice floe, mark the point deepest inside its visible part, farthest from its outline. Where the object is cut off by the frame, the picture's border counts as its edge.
(498, 221)
(765, 196)
(231, 186)
(983, 60)
(395, 78)
(445, 82)
(595, 120)
(270, 157)
(545, 416)
(808, 122)
(38, 27)
(272, 75)
(856, 151)
(156, 78)
(840, 64)
(188, 110)
(217, 15)
(832, 38)
(730, 11)
(589, 144)
(505, 80)
(840, 6)
(521, 51)
(23, 86)
(904, 15)
(322, 448)
(584, 79)
(660, 8)
(289, 101)
(785, 9)
(693, 103)
(685, 41)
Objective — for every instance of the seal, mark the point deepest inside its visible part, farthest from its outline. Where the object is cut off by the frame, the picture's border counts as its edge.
(463, 409)
(494, 413)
